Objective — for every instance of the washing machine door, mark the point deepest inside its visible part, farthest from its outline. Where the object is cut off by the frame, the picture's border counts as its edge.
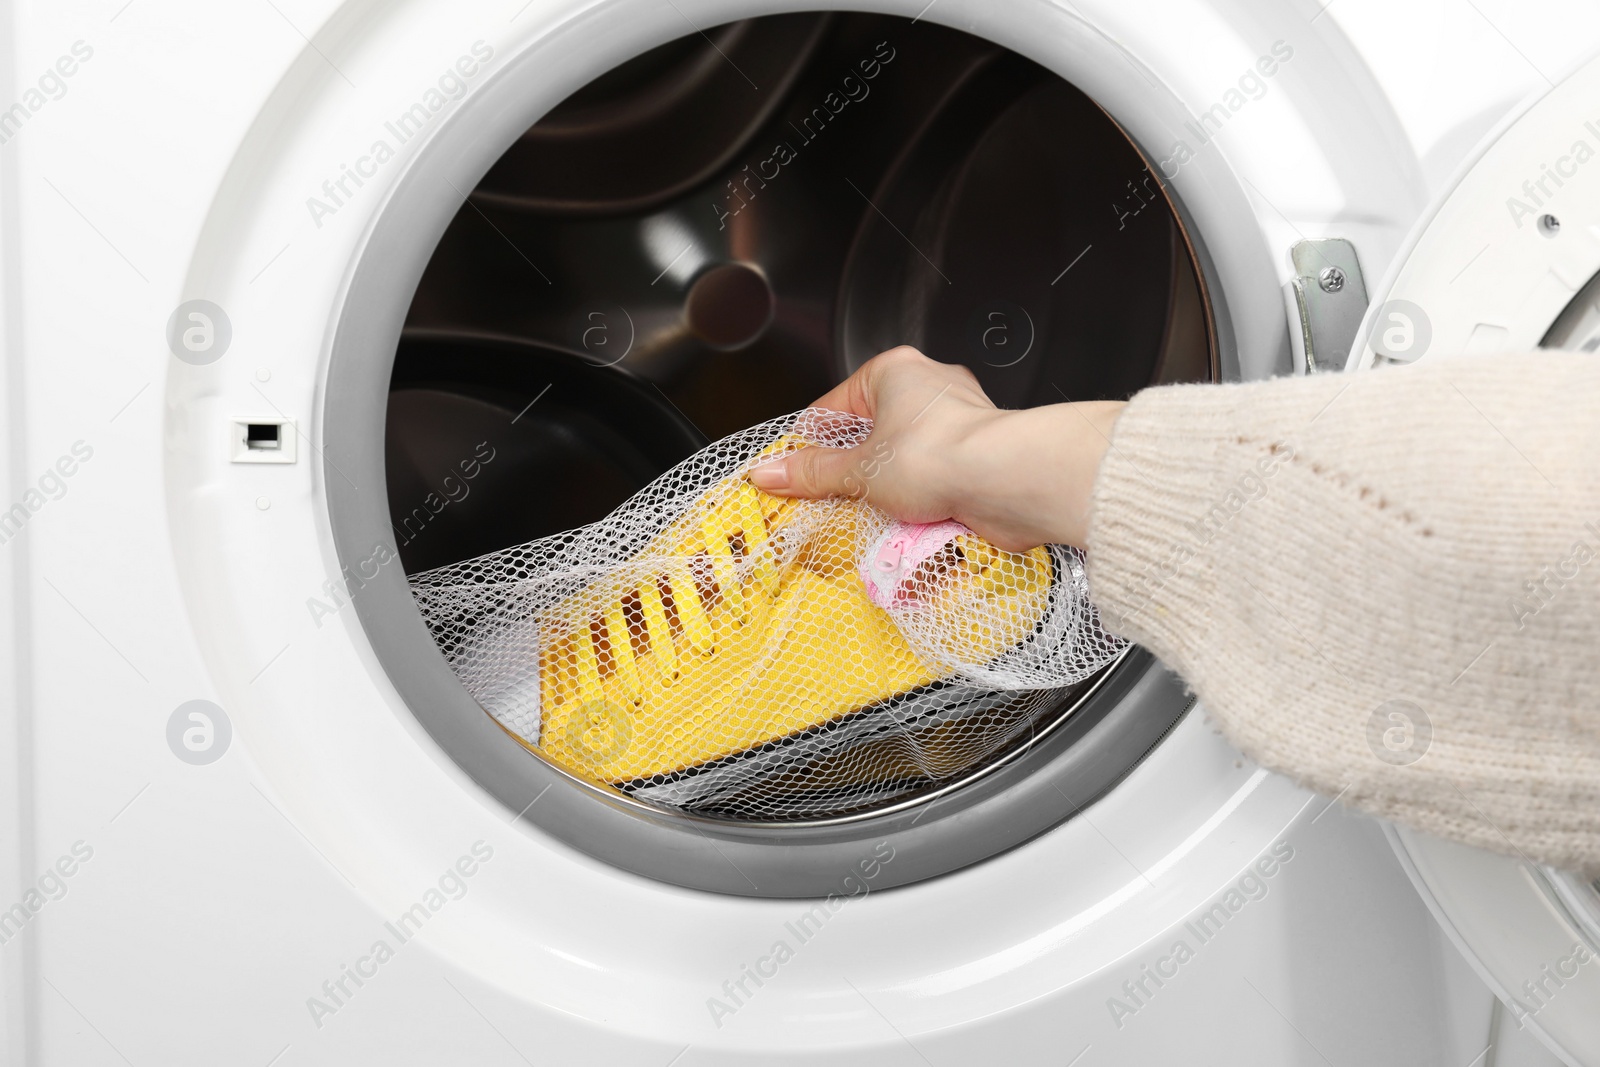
(1509, 261)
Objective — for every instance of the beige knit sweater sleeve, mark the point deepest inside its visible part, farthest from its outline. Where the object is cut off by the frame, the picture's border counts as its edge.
(1386, 585)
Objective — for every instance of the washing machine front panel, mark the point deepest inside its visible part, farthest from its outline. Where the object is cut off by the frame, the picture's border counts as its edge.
(359, 813)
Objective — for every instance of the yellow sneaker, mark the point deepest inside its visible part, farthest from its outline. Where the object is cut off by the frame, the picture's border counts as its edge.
(752, 618)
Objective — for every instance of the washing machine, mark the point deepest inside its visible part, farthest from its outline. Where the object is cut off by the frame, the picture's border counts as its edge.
(303, 299)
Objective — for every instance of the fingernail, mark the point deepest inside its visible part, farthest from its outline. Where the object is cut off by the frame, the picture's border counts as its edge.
(773, 474)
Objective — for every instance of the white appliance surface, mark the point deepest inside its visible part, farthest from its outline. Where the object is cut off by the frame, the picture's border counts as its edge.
(291, 872)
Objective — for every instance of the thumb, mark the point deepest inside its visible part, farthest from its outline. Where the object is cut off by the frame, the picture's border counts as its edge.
(809, 473)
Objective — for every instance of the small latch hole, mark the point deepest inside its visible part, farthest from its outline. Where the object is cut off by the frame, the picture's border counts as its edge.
(263, 436)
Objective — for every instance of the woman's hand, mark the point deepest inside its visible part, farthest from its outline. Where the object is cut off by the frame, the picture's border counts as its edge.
(940, 449)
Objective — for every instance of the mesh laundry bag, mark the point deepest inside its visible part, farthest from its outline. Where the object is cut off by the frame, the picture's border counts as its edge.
(711, 648)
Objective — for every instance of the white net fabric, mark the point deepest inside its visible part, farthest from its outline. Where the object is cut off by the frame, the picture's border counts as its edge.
(710, 648)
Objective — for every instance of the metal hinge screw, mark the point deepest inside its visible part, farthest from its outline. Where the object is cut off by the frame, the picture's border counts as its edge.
(1331, 279)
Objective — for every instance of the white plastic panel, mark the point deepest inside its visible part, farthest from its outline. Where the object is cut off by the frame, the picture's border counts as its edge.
(1485, 273)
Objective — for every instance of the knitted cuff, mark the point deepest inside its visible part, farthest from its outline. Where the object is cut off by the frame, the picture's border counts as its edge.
(1177, 471)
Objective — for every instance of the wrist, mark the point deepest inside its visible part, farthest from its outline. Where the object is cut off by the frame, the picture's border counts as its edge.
(1023, 478)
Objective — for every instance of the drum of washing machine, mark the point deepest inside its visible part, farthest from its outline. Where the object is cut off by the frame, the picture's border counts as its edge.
(718, 232)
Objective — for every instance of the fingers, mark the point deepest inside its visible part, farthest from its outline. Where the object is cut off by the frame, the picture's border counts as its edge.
(810, 473)
(850, 395)
(859, 393)
(895, 389)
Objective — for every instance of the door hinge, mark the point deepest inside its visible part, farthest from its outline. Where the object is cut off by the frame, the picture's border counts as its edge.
(1330, 298)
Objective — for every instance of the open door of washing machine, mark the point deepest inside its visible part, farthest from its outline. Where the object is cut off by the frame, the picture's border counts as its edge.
(1509, 261)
